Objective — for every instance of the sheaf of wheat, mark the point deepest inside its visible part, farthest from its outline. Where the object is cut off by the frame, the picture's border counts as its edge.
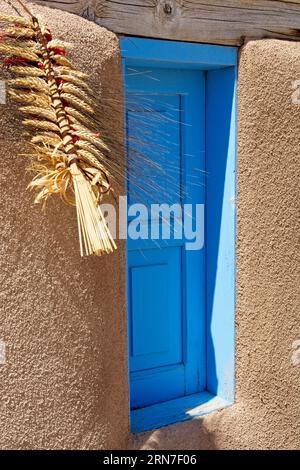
(67, 157)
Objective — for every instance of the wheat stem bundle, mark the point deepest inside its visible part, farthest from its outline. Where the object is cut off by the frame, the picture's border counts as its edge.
(68, 159)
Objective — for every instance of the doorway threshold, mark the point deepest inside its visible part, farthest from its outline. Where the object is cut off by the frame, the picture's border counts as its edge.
(174, 411)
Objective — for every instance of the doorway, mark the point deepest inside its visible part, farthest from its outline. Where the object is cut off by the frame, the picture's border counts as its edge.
(180, 140)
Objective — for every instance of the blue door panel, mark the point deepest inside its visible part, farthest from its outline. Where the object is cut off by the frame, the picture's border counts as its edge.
(165, 116)
(150, 311)
(153, 122)
(155, 316)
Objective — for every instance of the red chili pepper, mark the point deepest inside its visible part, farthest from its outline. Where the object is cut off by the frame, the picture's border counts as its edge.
(40, 65)
(14, 60)
(48, 36)
(60, 81)
(75, 138)
(58, 50)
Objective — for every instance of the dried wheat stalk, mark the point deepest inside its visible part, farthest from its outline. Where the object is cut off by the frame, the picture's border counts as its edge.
(67, 158)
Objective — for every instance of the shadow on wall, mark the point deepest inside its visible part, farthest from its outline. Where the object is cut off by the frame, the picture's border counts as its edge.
(175, 437)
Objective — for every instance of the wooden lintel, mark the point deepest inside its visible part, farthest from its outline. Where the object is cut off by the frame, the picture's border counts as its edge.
(209, 21)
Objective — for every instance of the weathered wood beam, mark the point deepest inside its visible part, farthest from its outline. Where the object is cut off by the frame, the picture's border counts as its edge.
(211, 21)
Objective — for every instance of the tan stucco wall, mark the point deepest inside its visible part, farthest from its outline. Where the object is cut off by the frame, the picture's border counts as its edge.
(63, 319)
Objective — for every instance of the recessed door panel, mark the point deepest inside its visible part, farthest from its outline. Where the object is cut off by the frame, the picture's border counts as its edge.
(155, 317)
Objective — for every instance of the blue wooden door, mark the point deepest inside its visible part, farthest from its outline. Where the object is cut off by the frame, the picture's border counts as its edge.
(165, 116)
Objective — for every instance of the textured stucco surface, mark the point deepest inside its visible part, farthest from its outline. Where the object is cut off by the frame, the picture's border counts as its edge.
(267, 410)
(62, 317)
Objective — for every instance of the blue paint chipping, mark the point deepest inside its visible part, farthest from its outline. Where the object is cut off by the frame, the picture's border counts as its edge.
(181, 303)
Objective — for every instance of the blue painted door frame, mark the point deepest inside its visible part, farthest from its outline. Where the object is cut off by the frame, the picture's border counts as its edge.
(218, 65)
